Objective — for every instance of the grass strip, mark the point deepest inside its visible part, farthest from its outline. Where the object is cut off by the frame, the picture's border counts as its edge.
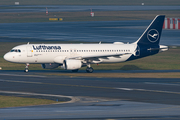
(11, 101)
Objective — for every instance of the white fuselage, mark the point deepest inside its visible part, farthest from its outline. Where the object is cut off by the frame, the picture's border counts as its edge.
(47, 53)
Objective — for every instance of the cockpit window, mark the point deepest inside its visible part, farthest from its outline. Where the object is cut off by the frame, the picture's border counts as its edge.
(12, 50)
(15, 50)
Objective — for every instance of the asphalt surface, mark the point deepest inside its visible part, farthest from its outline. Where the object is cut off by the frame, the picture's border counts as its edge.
(75, 8)
(90, 98)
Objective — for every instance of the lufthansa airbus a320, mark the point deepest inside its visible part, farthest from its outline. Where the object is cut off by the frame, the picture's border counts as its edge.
(74, 56)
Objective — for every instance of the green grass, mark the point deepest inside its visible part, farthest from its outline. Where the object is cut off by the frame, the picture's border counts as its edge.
(11, 101)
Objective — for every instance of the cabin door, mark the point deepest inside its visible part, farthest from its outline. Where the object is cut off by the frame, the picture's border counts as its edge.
(29, 51)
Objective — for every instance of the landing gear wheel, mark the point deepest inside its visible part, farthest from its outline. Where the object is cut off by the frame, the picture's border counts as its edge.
(89, 69)
(26, 70)
(75, 70)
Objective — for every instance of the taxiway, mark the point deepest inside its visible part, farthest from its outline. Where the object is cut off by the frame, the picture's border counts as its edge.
(91, 98)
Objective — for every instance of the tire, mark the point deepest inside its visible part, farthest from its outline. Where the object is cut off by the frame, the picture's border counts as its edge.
(26, 70)
(89, 70)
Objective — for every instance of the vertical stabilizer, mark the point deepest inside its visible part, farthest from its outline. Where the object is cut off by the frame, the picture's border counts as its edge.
(152, 34)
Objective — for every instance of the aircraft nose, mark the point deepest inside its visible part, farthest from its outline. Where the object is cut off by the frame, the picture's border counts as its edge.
(7, 57)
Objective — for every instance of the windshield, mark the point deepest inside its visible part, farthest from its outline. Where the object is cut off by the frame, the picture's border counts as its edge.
(15, 50)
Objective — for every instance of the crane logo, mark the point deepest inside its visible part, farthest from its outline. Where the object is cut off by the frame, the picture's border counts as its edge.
(153, 35)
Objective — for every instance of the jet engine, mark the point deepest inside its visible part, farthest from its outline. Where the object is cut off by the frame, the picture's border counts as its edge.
(72, 64)
(49, 66)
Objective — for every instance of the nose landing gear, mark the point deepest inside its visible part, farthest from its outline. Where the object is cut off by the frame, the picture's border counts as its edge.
(26, 68)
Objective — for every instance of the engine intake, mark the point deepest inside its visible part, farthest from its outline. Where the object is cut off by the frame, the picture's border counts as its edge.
(72, 64)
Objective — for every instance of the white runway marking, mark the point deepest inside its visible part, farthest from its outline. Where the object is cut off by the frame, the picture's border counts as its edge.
(128, 89)
(146, 90)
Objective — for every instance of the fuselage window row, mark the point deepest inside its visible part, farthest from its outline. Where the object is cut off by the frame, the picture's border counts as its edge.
(80, 51)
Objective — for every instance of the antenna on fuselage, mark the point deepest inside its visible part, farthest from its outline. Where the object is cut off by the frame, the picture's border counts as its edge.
(28, 43)
(100, 42)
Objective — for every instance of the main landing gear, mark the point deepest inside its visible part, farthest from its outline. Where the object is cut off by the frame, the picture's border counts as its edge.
(26, 68)
(89, 69)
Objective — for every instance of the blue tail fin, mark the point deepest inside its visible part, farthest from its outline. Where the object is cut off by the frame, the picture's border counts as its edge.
(152, 34)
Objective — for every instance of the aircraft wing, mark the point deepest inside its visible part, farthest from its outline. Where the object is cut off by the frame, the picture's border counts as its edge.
(97, 57)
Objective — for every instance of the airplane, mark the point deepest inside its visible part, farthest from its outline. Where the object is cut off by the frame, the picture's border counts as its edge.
(74, 56)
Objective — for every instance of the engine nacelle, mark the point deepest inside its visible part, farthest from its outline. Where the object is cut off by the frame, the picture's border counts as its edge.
(50, 66)
(72, 64)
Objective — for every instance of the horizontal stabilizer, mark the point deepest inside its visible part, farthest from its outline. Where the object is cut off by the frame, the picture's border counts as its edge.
(161, 48)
